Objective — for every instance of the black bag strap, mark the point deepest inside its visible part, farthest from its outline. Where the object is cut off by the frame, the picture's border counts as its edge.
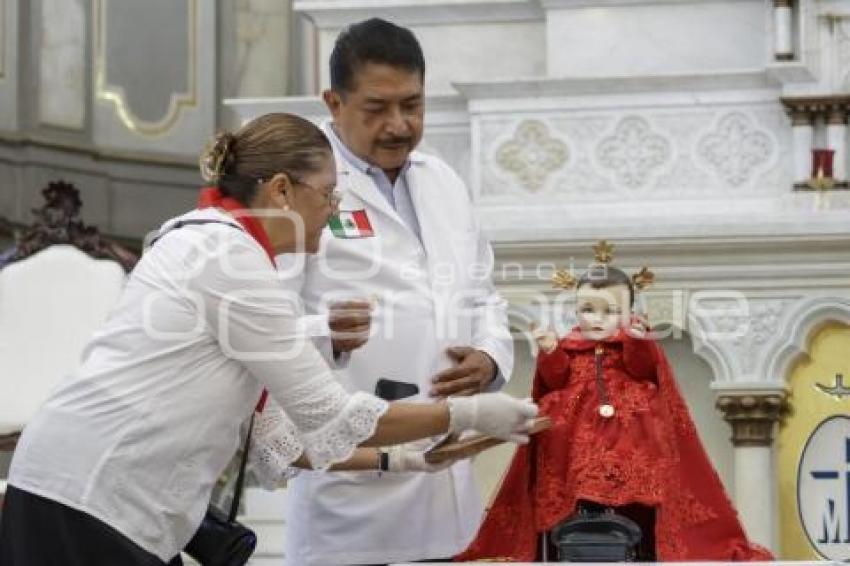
(243, 463)
(191, 222)
(240, 477)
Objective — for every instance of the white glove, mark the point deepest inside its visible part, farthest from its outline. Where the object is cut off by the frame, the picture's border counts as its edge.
(495, 414)
(411, 458)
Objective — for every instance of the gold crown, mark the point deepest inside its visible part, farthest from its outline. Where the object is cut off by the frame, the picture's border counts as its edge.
(603, 254)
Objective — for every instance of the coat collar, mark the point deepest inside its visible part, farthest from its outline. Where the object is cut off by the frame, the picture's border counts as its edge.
(358, 181)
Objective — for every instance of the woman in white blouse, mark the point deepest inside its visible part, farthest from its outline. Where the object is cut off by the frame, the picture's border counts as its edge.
(118, 465)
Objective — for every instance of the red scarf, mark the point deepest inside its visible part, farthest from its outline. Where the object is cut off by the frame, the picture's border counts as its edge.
(212, 196)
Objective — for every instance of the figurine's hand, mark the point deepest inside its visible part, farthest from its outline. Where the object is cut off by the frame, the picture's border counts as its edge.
(349, 322)
(639, 327)
(546, 339)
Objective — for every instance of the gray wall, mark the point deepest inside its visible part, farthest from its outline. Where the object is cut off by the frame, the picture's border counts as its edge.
(105, 95)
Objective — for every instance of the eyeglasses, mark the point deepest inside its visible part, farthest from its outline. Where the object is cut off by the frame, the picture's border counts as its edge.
(334, 197)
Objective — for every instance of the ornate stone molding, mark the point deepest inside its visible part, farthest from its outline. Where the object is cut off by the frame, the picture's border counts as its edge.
(732, 332)
(801, 116)
(634, 152)
(817, 105)
(665, 307)
(753, 416)
(837, 114)
(594, 92)
(736, 148)
(532, 154)
(792, 339)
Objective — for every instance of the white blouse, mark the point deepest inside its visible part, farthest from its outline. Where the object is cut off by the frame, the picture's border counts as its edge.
(139, 435)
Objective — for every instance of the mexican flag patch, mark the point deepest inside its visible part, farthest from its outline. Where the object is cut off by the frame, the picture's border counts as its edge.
(351, 224)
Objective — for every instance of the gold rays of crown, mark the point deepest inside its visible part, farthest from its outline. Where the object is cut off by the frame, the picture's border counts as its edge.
(603, 254)
(563, 279)
(643, 278)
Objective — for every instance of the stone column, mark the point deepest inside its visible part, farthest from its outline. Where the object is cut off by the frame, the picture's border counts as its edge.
(783, 32)
(803, 132)
(836, 139)
(753, 417)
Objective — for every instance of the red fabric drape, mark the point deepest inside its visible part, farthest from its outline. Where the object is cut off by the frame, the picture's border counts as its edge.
(648, 454)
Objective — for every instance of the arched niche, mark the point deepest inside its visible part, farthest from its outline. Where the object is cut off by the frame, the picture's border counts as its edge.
(822, 355)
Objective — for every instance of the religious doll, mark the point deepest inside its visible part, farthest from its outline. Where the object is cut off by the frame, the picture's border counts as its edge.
(621, 440)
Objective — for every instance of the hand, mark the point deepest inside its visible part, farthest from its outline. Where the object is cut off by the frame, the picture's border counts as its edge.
(410, 457)
(474, 371)
(546, 339)
(349, 322)
(639, 327)
(495, 414)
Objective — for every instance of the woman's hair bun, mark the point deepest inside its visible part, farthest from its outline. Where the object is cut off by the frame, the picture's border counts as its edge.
(218, 157)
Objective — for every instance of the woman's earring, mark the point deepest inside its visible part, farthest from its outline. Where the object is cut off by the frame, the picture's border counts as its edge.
(285, 204)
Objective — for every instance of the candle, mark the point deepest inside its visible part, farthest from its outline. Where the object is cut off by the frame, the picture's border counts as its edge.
(822, 163)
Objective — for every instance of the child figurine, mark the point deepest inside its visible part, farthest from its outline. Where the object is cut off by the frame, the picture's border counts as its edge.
(621, 439)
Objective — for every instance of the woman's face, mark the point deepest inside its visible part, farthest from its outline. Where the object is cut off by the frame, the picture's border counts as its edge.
(314, 199)
(602, 312)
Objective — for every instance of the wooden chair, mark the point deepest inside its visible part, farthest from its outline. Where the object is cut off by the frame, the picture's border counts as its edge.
(50, 305)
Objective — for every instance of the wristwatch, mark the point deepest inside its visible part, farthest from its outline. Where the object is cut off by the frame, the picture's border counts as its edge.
(383, 461)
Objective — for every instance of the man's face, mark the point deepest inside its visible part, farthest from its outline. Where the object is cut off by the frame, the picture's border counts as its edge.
(381, 118)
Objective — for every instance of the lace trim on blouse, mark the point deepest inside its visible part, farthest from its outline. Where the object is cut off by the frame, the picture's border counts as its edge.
(277, 442)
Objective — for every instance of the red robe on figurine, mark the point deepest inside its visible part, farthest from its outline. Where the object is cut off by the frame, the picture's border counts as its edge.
(646, 456)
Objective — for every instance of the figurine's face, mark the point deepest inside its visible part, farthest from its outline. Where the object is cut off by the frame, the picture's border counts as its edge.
(601, 312)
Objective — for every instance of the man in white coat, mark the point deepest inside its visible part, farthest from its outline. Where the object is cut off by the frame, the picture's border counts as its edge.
(406, 240)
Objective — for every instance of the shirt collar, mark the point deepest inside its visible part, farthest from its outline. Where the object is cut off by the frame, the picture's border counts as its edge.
(363, 166)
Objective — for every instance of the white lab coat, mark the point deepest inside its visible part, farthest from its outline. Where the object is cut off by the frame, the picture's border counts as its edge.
(430, 296)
